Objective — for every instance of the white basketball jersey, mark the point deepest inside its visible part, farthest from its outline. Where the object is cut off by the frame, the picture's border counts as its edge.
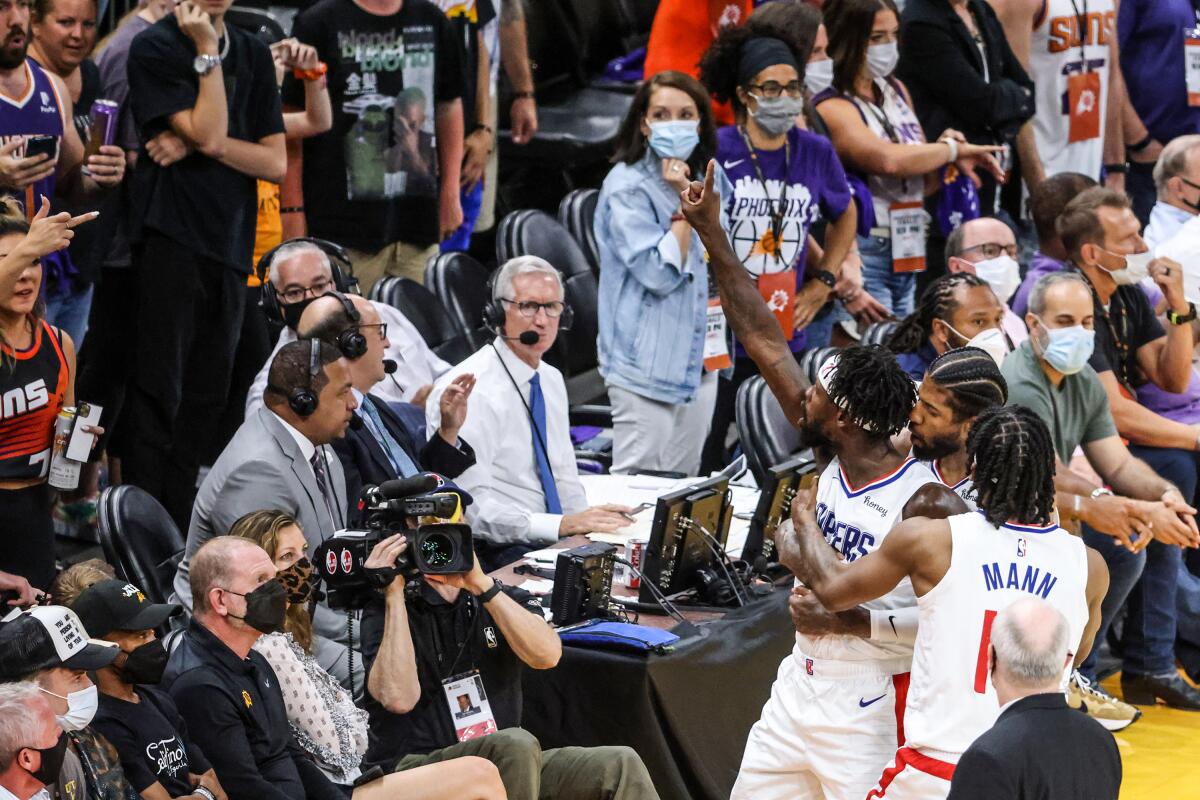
(950, 698)
(1059, 46)
(855, 522)
(963, 488)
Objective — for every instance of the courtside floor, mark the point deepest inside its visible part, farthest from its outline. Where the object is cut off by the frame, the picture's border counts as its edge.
(1160, 753)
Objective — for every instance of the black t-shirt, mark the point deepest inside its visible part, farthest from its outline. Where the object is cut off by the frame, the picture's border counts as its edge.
(1131, 316)
(448, 639)
(372, 179)
(198, 201)
(91, 240)
(152, 739)
(469, 18)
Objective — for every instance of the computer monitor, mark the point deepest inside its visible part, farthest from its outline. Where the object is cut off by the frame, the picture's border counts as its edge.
(774, 504)
(677, 555)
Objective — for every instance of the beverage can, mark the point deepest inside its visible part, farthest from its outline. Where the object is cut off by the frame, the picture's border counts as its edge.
(104, 116)
(64, 473)
(635, 553)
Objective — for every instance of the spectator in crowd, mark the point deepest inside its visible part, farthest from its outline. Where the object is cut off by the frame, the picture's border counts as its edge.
(525, 482)
(71, 582)
(299, 272)
(1038, 747)
(964, 78)
(280, 453)
(1046, 203)
(386, 180)
(158, 755)
(31, 744)
(501, 631)
(379, 447)
(987, 248)
(655, 292)
(1050, 374)
(1177, 183)
(227, 691)
(49, 646)
(193, 227)
(321, 714)
(1155, 72)
(957, 310)
(876, 133)
(1100, 233)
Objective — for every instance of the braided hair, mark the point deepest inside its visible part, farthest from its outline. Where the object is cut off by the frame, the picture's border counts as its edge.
(971, 378)
(937, 302)
(1013, 458)
(873, 390)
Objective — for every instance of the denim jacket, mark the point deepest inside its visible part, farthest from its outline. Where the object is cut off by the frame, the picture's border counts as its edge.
(652, 303)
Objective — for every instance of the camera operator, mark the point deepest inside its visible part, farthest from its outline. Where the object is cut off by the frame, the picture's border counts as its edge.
(469, 634)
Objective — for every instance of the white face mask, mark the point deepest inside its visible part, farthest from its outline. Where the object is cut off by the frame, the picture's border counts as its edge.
(81, 708)
(1137, 268)
(818, 75)
(882, 59)
(1002, 273)
(991, 341)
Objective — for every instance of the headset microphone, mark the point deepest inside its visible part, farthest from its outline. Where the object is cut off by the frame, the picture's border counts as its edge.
(390, 366)
(527, 338)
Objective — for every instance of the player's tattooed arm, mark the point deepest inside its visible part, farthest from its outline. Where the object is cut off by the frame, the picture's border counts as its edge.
(811, 618)
(935, 502)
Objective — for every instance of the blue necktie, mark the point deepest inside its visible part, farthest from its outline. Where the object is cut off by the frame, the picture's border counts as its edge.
(537, 409)
(403, 465)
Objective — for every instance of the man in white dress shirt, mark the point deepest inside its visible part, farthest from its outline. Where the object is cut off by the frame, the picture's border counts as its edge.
(525, 482)
(30, 740)
(302, 269)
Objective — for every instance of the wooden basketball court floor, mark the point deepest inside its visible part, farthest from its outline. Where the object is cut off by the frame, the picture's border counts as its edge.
(1160, 753)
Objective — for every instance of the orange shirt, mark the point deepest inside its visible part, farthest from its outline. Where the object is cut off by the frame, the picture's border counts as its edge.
(268, 232)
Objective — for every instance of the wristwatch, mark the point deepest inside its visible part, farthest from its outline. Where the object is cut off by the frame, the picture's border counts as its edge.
(491, 593)
(204, 792)
(205, 64)
(826, 277)
(1102, 491)
(1180, 319)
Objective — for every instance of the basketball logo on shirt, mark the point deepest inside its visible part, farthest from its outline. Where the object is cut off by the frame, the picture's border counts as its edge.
(489, 634)
(246, 699)
(757, 246)
(1021, 545)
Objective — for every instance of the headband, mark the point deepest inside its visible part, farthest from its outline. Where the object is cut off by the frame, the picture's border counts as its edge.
(759, 53)
(825, 378)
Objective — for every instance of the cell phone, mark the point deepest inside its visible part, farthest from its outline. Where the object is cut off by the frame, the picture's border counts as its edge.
(42, 144)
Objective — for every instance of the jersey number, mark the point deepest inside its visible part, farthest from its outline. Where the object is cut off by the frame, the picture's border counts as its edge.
(981, 664)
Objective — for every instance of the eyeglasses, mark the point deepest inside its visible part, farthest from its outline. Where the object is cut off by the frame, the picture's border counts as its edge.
(296, 294)
(772, 89)
(529, 308)
(382, 326)
(994, 249)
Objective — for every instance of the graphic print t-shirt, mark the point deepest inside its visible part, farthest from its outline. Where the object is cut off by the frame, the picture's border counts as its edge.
(469, 17)
(152, 739)
(373, 178)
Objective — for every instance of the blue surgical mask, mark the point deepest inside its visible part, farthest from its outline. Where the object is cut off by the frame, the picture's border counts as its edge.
(674, 139)
(1067, 349)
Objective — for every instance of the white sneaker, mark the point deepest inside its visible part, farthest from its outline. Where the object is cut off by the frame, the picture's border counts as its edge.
(1101, 706)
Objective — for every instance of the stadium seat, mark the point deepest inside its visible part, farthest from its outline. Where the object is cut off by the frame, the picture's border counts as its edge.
(460, 282)
(766, 434)
(811, 360)
(576, 212)
(879, 332)
(139, 539)
(427, 314)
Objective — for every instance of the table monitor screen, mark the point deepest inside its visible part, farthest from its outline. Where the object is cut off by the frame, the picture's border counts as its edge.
(676, 550)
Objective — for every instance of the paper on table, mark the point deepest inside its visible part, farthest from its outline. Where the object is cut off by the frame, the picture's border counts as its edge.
(545, 557)
(538, 586)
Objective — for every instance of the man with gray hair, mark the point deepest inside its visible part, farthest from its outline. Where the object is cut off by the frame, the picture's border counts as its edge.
(524, 481)
(1039, 746)
(299, 273)
(1177, 179)
(32, 745)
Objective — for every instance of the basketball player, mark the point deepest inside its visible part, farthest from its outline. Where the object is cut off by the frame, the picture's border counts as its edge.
(959, 385)
(964, 570)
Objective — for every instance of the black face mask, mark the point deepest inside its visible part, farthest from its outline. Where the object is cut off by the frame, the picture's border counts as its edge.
(292, 312)
(145, 664)
(1193, 206)
(265, 607)
(52, 761)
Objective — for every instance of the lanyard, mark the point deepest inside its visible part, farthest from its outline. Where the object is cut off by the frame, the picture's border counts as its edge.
(1118, 338)
(1081, 21)
(462, 646)
(777, 209)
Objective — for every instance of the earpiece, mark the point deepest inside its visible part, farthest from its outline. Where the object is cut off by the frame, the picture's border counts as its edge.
(351, 342)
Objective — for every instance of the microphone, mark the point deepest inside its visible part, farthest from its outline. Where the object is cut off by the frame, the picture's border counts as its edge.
(390, 366)
(401, 488)
(527, 338)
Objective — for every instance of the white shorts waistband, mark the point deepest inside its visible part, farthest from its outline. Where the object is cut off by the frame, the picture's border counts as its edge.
(831, 668)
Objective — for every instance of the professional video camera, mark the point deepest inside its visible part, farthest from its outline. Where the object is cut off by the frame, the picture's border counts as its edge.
(401, 506)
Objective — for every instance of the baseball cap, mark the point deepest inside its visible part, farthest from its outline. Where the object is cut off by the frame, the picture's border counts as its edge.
(117, 605)
(445, 485)
(47, 637)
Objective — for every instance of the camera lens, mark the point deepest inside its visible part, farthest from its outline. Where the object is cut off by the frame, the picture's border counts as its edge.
(437, 549)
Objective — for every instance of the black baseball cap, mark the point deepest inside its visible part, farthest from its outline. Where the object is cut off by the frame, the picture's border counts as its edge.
(47, 637)
(117, 605)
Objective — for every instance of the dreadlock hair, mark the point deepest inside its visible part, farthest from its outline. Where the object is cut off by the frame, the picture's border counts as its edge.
(972, 379)
(1013, 458)
(873, 390)
(937, 302)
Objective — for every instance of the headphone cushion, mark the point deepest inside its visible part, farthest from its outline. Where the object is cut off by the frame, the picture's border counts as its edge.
(352, 344)
(303, 402)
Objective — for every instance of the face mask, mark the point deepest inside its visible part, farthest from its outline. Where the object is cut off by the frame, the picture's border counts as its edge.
(881, 59)
(291, 313)
(777, 115)
(81, 708)
(298, 581)
(674, 139)
(1067, 349)
(1137, 267)
(145, 664)
(52, 761)
(1002, 273)
(818, 75)
(265, 607)
(991, 341)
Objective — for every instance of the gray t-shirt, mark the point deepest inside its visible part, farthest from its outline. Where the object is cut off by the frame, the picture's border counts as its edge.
(1077, 411)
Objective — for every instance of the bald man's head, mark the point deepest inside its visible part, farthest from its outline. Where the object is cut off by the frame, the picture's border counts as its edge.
(1030, 642)
(220, 563)
(328, 319)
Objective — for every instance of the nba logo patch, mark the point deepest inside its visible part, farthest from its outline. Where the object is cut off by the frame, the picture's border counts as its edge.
(489, 633)
(808, 666)
(1020, 548)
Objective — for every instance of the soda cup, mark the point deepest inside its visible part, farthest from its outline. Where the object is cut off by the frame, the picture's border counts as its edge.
(64, 473)
(635, 553)
(104, 127)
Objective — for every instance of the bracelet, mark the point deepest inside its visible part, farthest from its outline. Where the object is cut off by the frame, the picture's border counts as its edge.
(292, 210)
(1140, 145)
(204, 792)
(953, 145)
(527, 95)
(1116, 169)
(678, 217)
(313, 74)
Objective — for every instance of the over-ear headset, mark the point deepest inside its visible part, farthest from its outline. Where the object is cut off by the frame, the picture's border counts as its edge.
(340, 266)
(493, 311)
(303, 400)
(351, 342)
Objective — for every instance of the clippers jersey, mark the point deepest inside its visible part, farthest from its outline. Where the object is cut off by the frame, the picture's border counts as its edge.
(963, 488)
(1054, 54)
(33, 385)
(855, 522)
(951, 700)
